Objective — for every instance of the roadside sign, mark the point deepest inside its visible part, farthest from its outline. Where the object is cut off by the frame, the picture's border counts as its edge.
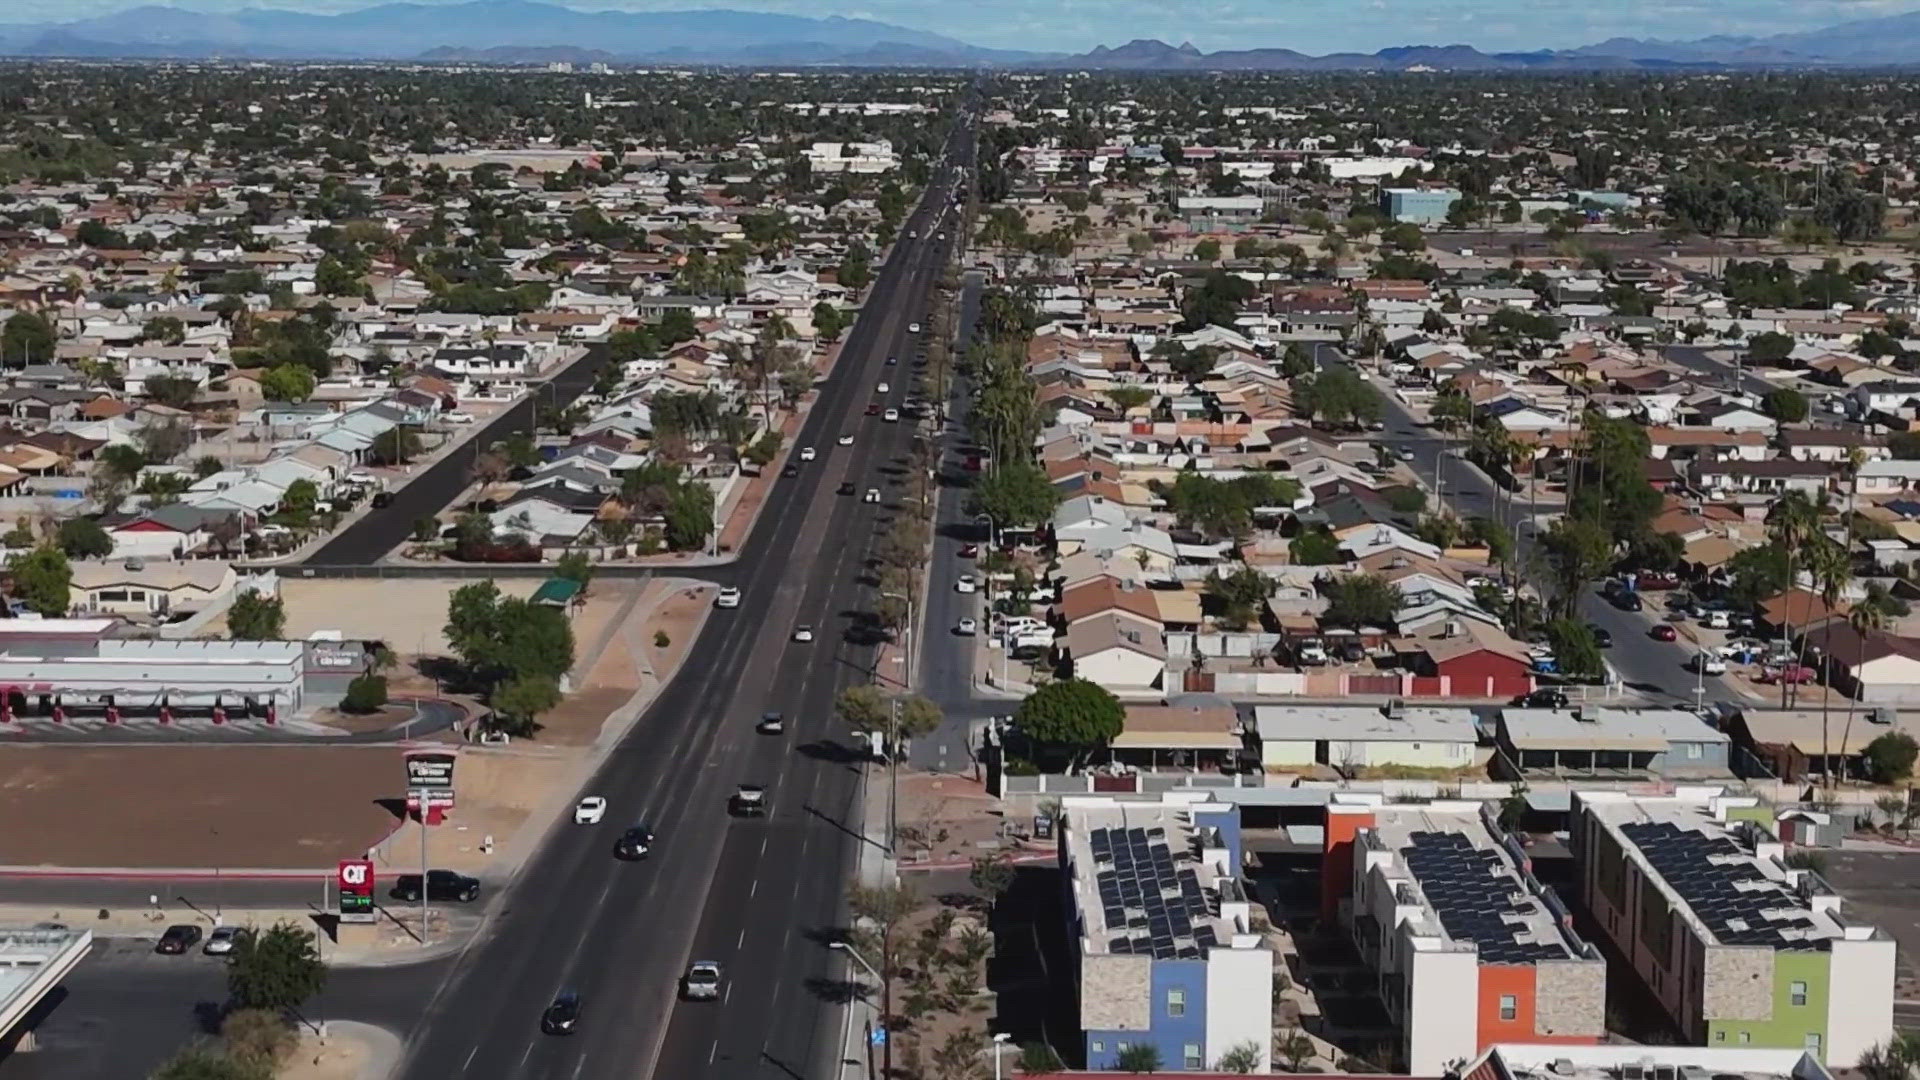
(355, 886)
(878, 1037)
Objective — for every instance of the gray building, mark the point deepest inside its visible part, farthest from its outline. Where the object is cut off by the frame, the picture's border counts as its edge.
(1623, 744)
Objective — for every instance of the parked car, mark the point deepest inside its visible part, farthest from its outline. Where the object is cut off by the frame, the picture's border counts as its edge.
(440, 885)
(1710, 663)
(1664, 632)
(1628, 601)
(1310, 653)
(1543, 698)
(1353, 652)
(1787, 673)
(1655, 582)
(1600, 635)
(382, 499)
(220, 942)
(968, 551)
(178, 939)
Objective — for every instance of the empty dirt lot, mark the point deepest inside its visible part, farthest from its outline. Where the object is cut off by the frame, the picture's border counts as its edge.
(194, 806)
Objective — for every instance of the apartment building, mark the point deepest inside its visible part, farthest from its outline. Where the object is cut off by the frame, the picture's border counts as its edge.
(1741, 950)
(1469, 948)
(1167, 951)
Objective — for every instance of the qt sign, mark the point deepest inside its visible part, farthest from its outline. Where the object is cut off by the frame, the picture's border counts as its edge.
(355, 881)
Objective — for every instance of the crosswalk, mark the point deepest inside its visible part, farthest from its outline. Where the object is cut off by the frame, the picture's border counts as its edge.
(84, 727)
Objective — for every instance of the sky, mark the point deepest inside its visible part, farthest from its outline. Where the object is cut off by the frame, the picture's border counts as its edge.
(1312, 26)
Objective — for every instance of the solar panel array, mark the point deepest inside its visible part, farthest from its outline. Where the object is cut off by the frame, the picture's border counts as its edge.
(1473, 892)
(1732, 898)
(1151, 904)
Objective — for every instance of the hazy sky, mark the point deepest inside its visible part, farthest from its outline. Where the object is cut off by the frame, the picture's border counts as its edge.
(1315, 26)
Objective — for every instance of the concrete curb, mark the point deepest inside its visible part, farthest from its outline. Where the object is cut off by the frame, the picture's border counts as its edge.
(383, 1046)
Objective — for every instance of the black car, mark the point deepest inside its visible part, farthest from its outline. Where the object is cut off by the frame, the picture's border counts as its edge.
(1628, 601)
(441, 885)
(382, 500)
(790, 470)
(178, 939)
(1600, 635)
(845, 488)
(1352, 652)
(1545, 698)
(563, 1016)
(635, 843)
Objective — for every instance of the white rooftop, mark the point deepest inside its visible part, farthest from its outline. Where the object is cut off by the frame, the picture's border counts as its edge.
(1299, 723)
(1605, 729)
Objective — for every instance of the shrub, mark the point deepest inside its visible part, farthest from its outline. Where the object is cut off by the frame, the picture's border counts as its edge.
(366, 694)
(661, 640)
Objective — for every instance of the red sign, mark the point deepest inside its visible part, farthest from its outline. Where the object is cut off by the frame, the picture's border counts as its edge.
(355, 880)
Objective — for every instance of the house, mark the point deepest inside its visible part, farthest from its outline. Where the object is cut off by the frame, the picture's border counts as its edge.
(1624, 744)
(1798, 744)
(1105, 596)
(1469, 657)
(174, 531)
(131, 588)
(1888, 477)
(1190, 737)
(1879, 668)
(1353, 737)
(1118, 652)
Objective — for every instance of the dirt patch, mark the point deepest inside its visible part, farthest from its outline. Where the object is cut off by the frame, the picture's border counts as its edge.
(408, 614)
(950, 820)
(391, 716)
(617, 655)
(195, 806)
(328, 1057)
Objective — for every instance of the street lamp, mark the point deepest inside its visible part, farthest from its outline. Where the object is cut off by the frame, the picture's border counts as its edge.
(886, 1010)
(999, 1040)
(893, 726)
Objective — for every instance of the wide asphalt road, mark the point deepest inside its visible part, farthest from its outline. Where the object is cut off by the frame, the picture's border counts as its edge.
(369, 539)
(753, 895)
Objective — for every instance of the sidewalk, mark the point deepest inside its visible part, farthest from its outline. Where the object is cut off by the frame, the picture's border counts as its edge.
(876, 869)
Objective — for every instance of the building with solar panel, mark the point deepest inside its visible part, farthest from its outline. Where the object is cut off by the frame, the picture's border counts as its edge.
(1739, 948)
(1470, 949)
(1168, 953)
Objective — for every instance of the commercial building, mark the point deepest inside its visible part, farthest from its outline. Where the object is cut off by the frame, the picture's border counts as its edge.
(1468, 947)
(1523, 1061)
(1421, 206)
(1740, 949)
(1221, 214)
(32, 963)
(1166, 948)
(132, 674)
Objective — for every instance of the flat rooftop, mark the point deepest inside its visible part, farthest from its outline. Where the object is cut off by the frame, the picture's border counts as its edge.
(1470, 889)
(1140, 884)
(1561, 1061)
(1605, 729)
(1359, 723)
(1735, 896)
(32, 959)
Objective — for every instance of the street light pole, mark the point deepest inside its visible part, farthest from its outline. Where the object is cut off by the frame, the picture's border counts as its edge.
(886, 1009)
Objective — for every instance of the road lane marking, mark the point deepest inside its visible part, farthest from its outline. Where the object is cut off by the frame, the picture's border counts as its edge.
(580, 1066)
(469, 1061)
(713, 1051)
(753, 888)
(525, 1056)
(737, 943)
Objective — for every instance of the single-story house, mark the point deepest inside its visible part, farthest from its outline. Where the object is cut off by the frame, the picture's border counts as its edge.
(1350, 737)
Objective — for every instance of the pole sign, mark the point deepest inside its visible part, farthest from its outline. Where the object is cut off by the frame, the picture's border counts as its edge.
(355, 881)
(430, 783)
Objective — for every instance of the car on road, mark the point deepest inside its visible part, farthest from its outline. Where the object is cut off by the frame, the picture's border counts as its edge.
(728, 597)
(382, 499)
(873, 408)
(590, 810)
(178, 939)
(1664, 632)
(771, 723)
(891, 416)
(913, 328)
(635, 843)
(968, 551)
(965, 584)
(803, 633)
(1543, 698)
(892, 360)
(220, 942)
(1710, 663)
(790, 469)
(702, 981)
(563, 1016)
(749, 800)
(847, 439)
(808, 453)
(845, 488)
(441, 885)
(1405, 454)
(1628, 601)
(966, 627)
(872, 495)
(1600, 635)
(882, 388)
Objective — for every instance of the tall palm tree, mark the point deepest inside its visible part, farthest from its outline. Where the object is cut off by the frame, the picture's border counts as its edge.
(1789, 522)
(1832, 568)
(1866, 618)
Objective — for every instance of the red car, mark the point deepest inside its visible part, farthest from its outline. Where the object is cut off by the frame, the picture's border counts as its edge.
(1791, 673)
(873, 408)
(968, 551)
(1663, 632)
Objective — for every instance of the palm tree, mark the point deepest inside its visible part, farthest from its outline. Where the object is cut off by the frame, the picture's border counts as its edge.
(1791, 521)
(1866, 618)
(1832, 568)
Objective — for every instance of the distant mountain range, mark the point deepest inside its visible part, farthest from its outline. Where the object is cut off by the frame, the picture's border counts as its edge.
(530, 32)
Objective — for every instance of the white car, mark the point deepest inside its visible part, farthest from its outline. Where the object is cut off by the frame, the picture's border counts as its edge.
(965, 583)
(882, 388)
(702, 981)
(803, 633)
(913, 328)
(847, 439)
(1708, 663)
(891, 416)
(220, 942)
(728, 597)
(892, 360)
(807, 453)
(966, 627)
(872, 495)
(590, 810)
(460, 418)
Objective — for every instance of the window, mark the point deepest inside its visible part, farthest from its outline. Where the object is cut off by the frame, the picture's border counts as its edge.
(1693, 749)
(1813, 1043)
(1719, 1036)
(1176, 1003)
(1191, 1052)
(1797, 993)
(1509, 1007)
(1746, 1037)
(1097, 1047)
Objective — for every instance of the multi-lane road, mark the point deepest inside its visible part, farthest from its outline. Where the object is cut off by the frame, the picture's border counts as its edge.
(755, 895)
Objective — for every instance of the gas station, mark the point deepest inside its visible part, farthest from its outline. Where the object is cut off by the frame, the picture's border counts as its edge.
(32, 962)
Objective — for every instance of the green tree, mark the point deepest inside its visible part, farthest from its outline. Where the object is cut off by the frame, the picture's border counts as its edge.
(210, 1063)
(1015, 495)
(27, 338)
(1770, 347)
(828, 322)
(1129, 398)
(395, 446)
(1580, 552)
(1787, 405)
(864, 707)
(254, 616)
(1139, 1057)
(1072, 713)
(1337, 396)
(1316, 547)
(121, 461)
(43, 580)
(573, 566)
(518, 703)
(1890, 758)
(1240, 595)
(1240, 1058)
(1575, 649)
(1207, 250)
(278, 970)
(991, 876)
(505, 637)
(287, 382)
(365, 694)
(83, 538)
(1361, 600)
(176, 392)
